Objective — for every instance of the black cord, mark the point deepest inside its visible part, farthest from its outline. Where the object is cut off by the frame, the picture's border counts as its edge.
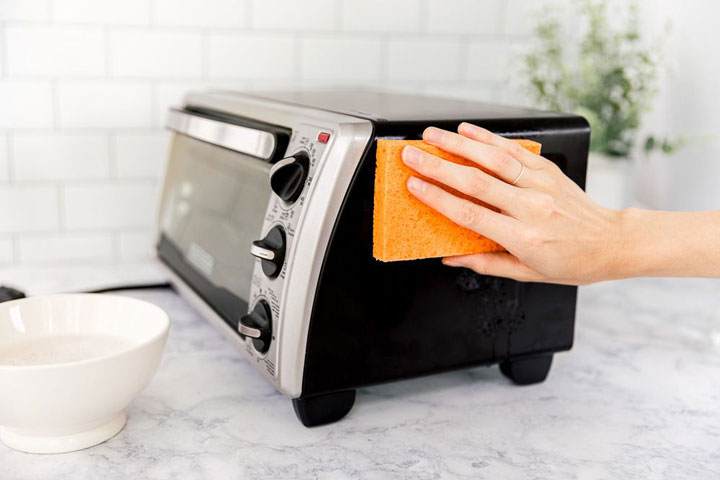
(117, 288)
(9, 293)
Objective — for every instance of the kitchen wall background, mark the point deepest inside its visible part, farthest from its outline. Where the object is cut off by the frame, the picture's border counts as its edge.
(85, 84)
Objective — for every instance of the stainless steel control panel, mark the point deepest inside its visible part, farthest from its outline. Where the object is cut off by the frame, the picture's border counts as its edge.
(248, 248)
(309, 142)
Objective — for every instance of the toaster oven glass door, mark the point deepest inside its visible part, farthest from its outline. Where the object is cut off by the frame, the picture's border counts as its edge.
(213, 206)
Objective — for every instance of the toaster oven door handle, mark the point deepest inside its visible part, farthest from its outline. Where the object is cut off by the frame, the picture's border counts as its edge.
(251, 141)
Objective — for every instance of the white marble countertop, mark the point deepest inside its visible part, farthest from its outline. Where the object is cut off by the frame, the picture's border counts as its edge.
(637, 397)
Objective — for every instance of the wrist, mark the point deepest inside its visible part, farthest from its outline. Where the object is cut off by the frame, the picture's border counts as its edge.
(648, 243)
(628, 244)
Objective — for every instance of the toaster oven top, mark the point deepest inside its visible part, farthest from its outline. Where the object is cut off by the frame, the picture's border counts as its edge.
(396, 107)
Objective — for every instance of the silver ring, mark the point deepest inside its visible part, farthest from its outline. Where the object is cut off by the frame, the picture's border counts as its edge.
(522, 170)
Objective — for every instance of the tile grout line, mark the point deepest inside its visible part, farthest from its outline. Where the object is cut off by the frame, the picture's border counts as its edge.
(9, 140)
(115, 235)
(15, 249)
(152, 14)
(299, 47)
(248, 24)
(503, 14)
(84, 182)
(385, 60)
(107, 51)
(79, 130)
(502, 33)
(339, 17)
(3, 51)
(154, 96)
(422, 33)
(205, 51)
(111, 140)
(51, 11)
(8, 160)
(61, 207)
(83, 231)
(464, 53)
(55, 104)
(424, 17)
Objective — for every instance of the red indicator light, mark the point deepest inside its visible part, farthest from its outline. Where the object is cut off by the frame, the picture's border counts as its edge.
(323, 137)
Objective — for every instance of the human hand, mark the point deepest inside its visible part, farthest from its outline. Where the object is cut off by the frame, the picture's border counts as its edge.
(552, 230)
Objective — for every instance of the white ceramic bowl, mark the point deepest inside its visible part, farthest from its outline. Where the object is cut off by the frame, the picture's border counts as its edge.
(71, 364)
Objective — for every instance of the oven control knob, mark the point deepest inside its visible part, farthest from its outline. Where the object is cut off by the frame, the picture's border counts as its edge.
(258, 326)
(271, 251)
(287, 177)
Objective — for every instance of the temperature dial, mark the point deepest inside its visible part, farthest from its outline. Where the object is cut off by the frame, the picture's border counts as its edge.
(287, 177)
(271, 251)
(258, 326)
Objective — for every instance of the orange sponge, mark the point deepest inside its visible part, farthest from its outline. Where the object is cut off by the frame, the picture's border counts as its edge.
(405, 228)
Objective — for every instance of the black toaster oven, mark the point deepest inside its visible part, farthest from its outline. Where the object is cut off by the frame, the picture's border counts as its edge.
(265, 225)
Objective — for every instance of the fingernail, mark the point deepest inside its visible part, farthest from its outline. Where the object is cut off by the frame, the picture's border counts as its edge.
(433, 135)
(466, 128)
(450, 262)
(411, 156)
(416, 185)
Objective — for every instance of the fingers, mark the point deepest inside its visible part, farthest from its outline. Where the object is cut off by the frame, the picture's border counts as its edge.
(500, 264)
(513, 148)
(484, 221)
(493, 158)
(468, 180)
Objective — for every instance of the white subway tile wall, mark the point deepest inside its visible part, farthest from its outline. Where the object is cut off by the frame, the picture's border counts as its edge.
(103, 104)
(294, 15)
(251, 56)
(408, 60)
(29, 208)
(101, 12)
(396, 17)
(26, 103)
(136, 245)
(32, 10)
(201, 13)
(95, 247)
(153, 54)
(6, 251)
(54, 51)
(472, 17)
(109, 205)
(60, 156)
(330, 59)
(85, 86)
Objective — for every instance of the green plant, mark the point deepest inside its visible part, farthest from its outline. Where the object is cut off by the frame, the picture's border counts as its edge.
(612, 82)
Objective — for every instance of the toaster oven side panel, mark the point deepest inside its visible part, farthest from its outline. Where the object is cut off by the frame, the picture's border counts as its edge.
(375, 322)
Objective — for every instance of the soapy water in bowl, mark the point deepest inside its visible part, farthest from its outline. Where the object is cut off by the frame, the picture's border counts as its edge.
(55, 349)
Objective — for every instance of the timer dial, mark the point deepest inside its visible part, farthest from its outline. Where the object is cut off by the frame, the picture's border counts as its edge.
(271, 251)
(287, 177)
(258, 326)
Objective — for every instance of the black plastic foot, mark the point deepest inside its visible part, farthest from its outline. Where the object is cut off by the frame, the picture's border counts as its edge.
(322, 409)
(527, 370)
